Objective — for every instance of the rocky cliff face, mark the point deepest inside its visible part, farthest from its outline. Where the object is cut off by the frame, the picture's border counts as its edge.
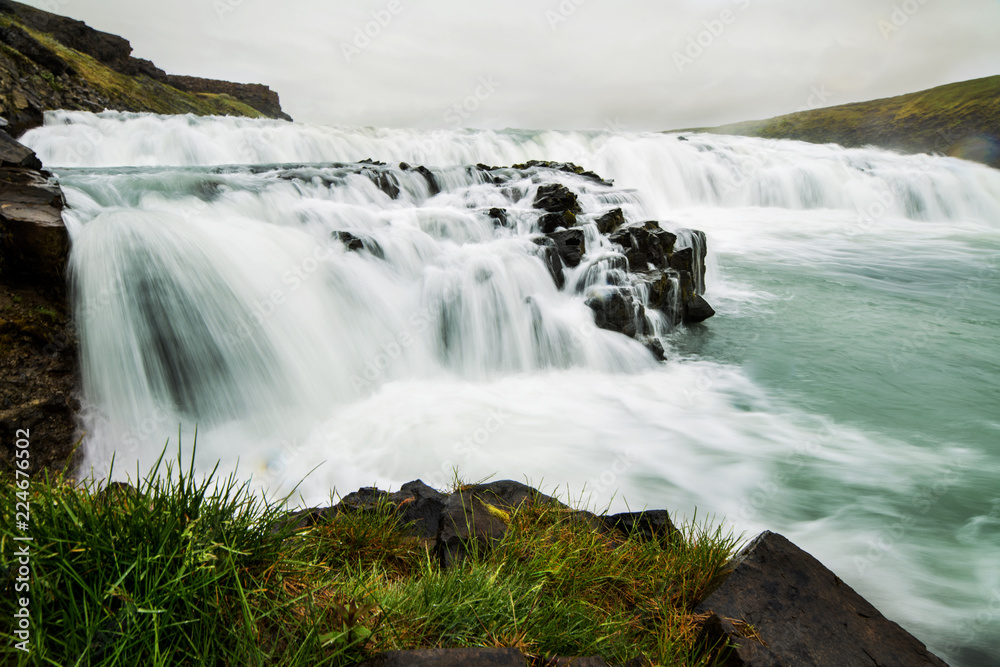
(259, 97)
(49, 61)
(38, 361)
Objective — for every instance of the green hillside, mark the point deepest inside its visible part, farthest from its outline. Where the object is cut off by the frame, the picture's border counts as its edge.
(959, 119)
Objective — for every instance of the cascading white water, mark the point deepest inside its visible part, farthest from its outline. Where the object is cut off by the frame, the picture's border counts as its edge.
(241, 276)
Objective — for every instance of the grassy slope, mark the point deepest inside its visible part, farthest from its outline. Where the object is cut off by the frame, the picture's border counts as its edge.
(961, 119)
(140, 93)
(188, 572)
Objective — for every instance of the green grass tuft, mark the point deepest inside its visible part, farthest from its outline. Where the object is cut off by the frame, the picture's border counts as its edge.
(186, 569)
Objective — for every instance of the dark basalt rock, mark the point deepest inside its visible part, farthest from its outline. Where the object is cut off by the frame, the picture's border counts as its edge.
(651, 525)
(565, 167)
(610, 221)
(615, 310)
(556, 198)
(499, 216)
(570, 245)
(550, 222)
(473, 517)
(549, 254)
(417, 506)
(15, 154)
(781, 606)
(697, 310)
(644, 243)
(34, 243)
(384, 180)
(358, 243)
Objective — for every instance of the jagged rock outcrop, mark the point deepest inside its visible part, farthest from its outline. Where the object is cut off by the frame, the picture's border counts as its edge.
(671, 277)
(34, 243)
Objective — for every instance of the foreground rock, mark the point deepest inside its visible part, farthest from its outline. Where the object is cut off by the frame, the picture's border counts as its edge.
(781, 606)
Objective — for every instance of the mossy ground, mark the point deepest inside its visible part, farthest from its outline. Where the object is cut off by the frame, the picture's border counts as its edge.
(182, 572)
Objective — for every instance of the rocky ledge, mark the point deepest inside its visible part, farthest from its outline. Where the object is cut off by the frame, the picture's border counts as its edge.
(777, 605)
(37, 342)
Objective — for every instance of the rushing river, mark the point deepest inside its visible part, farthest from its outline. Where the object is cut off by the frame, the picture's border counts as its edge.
(846, 394)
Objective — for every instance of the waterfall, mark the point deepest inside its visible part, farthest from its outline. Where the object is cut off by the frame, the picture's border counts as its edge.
(334, 307)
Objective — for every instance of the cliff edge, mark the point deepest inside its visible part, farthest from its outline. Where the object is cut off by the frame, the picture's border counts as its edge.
(48, 61)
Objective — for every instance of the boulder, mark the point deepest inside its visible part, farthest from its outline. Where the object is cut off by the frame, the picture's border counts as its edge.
(565, 167)
(15, 154)
(499, 216)
(556, 198)
(697, 310)
(384, 180)
(616, 310)
(550, 222)
(781, 606)
(417, 505)
(651, 525)
(570, 245)
(34, 243)
(644, 243)
(610, 221)
(476, 517)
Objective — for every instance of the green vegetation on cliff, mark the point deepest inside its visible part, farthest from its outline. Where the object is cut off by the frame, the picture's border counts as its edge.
(959, 119)
(49, 62)
(142, 93)
(182, 571)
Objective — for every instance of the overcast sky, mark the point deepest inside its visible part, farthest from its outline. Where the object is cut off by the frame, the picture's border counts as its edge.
(624, 64)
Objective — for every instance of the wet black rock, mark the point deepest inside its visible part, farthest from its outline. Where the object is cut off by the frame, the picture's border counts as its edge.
(565, 167)
(499, 216)
(570, 245)
(358, 243)
(644, 243)
(697, 310)
(384, 180)
(550, 222)
(549, 254)
(428, 175)
(556, 198)
(610, 221)
(615, 310)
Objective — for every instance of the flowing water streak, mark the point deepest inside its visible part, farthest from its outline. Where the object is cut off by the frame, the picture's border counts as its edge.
(845, 395)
